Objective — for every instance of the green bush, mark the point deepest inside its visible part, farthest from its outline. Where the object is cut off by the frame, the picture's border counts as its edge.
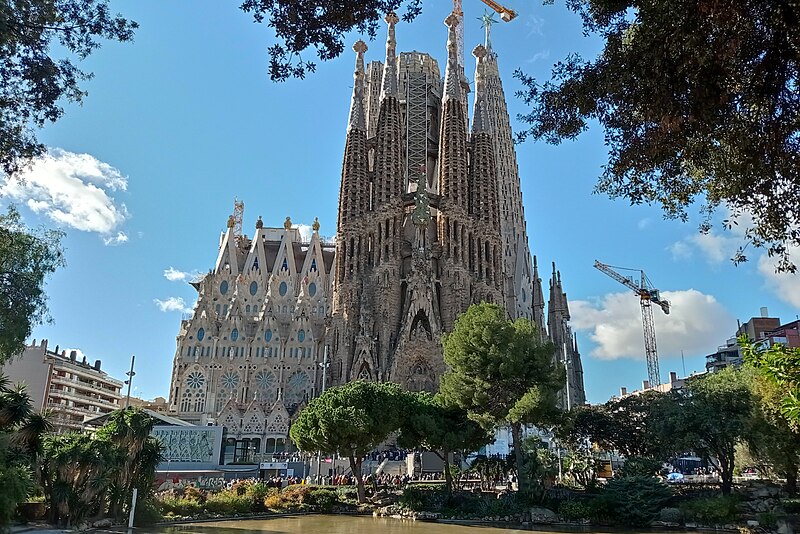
(347, 494)
(767, 520)
(575, 510)
(16, 483)
(636, 501)
(228, 503)
(791, 506)
(180, 506)
(324, 498)
(148, 511)
(670, 515)
(412, 498)
(711, 511)
(639, 467)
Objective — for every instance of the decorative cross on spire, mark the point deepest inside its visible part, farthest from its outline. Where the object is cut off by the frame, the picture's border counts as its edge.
(487, 20)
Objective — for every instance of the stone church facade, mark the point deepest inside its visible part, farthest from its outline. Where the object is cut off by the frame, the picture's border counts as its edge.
(430, 221)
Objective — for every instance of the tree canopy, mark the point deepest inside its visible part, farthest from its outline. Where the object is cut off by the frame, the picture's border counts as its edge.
(27, 258)
(781, 366)
(33, 82)
(320, 25)
(699, 101)
(501, 372)
(432, 424)
(350, 420)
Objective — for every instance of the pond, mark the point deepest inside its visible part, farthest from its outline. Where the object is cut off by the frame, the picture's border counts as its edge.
(337, 524)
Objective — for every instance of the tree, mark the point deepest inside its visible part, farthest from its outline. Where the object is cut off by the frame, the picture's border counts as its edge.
(27, 258)
(350, 420)
(433, 425)
(710, 416)
(771, 438)
(624, 425)
(318, 24)
(33, 84)
(781, 366)
(86, 475)
(698, 99)
(501, 373)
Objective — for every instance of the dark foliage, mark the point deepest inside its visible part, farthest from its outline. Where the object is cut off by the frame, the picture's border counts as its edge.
(699, 101)
(32, 81)
(320, 25)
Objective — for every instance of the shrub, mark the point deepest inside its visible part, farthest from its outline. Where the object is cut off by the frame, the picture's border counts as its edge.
(324, 498)
(574, 510)
(148, 511)
(670, 515)
(767, 520)
(791, 506)
(637, 466)
(412, 498)
(228, 502)
(273, 500)
(180, 506)
(636, 501)
(711, 511)
(194, 494)
(347, 494)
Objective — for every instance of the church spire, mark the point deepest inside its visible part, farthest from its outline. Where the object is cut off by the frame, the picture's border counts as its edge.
(452, 81)
(389, 85)
(480, 120)
(357, 118)
(538, 300)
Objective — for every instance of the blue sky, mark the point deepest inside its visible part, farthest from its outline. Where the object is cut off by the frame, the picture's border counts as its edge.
(143, 176)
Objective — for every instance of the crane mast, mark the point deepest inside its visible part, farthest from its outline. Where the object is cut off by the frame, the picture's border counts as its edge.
(648, 296)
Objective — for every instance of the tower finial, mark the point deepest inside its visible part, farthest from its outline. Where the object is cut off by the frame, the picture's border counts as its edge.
(315, 225)
(357, 119)
(389, 85)
(487, 21)
(451, 76)
(287, 224)
(480, 121)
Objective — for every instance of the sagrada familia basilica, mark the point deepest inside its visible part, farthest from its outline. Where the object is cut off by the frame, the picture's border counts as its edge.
(430, 221)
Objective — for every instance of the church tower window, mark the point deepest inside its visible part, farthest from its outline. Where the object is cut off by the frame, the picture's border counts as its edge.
(312, 289)
(223, 287)
(268, 335)
(201, 334)
(301, 335)
(234, 334)
(283, 288)
(253, 288)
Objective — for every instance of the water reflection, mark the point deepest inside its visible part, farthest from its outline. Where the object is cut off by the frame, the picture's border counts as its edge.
(338, 524)
(330, 524)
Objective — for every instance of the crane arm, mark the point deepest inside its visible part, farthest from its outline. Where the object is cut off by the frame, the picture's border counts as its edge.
(627, 282)
(505, 13)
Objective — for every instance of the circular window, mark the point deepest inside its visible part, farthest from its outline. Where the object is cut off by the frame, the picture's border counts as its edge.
(223, 287)
(201, 334)
(268, 335)
(253, 288)
(234, 334)
(230, 380)
(301, 335)
(195, 380)
(283, 288)
(312, 289)
(265, 380)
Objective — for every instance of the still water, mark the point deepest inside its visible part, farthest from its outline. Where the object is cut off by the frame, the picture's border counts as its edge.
(335, 524)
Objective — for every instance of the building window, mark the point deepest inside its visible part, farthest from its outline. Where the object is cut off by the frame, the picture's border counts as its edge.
(282, 289)
(268, 335)
(201, 334)
(301, 335)
(253, 288)
(223, 287)
(312, 289)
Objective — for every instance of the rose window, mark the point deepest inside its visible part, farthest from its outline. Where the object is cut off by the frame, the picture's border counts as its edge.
(230, 380)
(295, 392)
(265, 380)
(195, 380)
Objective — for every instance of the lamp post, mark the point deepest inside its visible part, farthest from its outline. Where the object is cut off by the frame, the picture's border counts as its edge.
(564, 331)
(324, 365)
(130, 374)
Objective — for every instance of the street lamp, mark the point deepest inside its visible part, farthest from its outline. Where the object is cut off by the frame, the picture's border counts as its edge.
(324, 365)
(130, 374)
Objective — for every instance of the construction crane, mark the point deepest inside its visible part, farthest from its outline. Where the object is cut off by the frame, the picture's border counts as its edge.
(506, 14)
(648, 295)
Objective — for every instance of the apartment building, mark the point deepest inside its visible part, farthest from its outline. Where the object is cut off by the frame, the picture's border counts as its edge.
(69, 387)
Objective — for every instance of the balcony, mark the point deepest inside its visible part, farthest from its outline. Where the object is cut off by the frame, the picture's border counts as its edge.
(82, 398)
(78, 383)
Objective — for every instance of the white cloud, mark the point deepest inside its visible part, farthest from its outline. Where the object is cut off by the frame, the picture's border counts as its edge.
(696, 323)
(118, 239)
(73, 190)
(534, 26)
(716, 248)
(173, 304)
(786, 286)
(174, 275)
(542, 54)
(305, 231)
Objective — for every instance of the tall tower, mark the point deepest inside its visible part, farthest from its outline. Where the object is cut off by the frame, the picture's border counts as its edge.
(426, 242)
(516, 253)
(566, 345)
